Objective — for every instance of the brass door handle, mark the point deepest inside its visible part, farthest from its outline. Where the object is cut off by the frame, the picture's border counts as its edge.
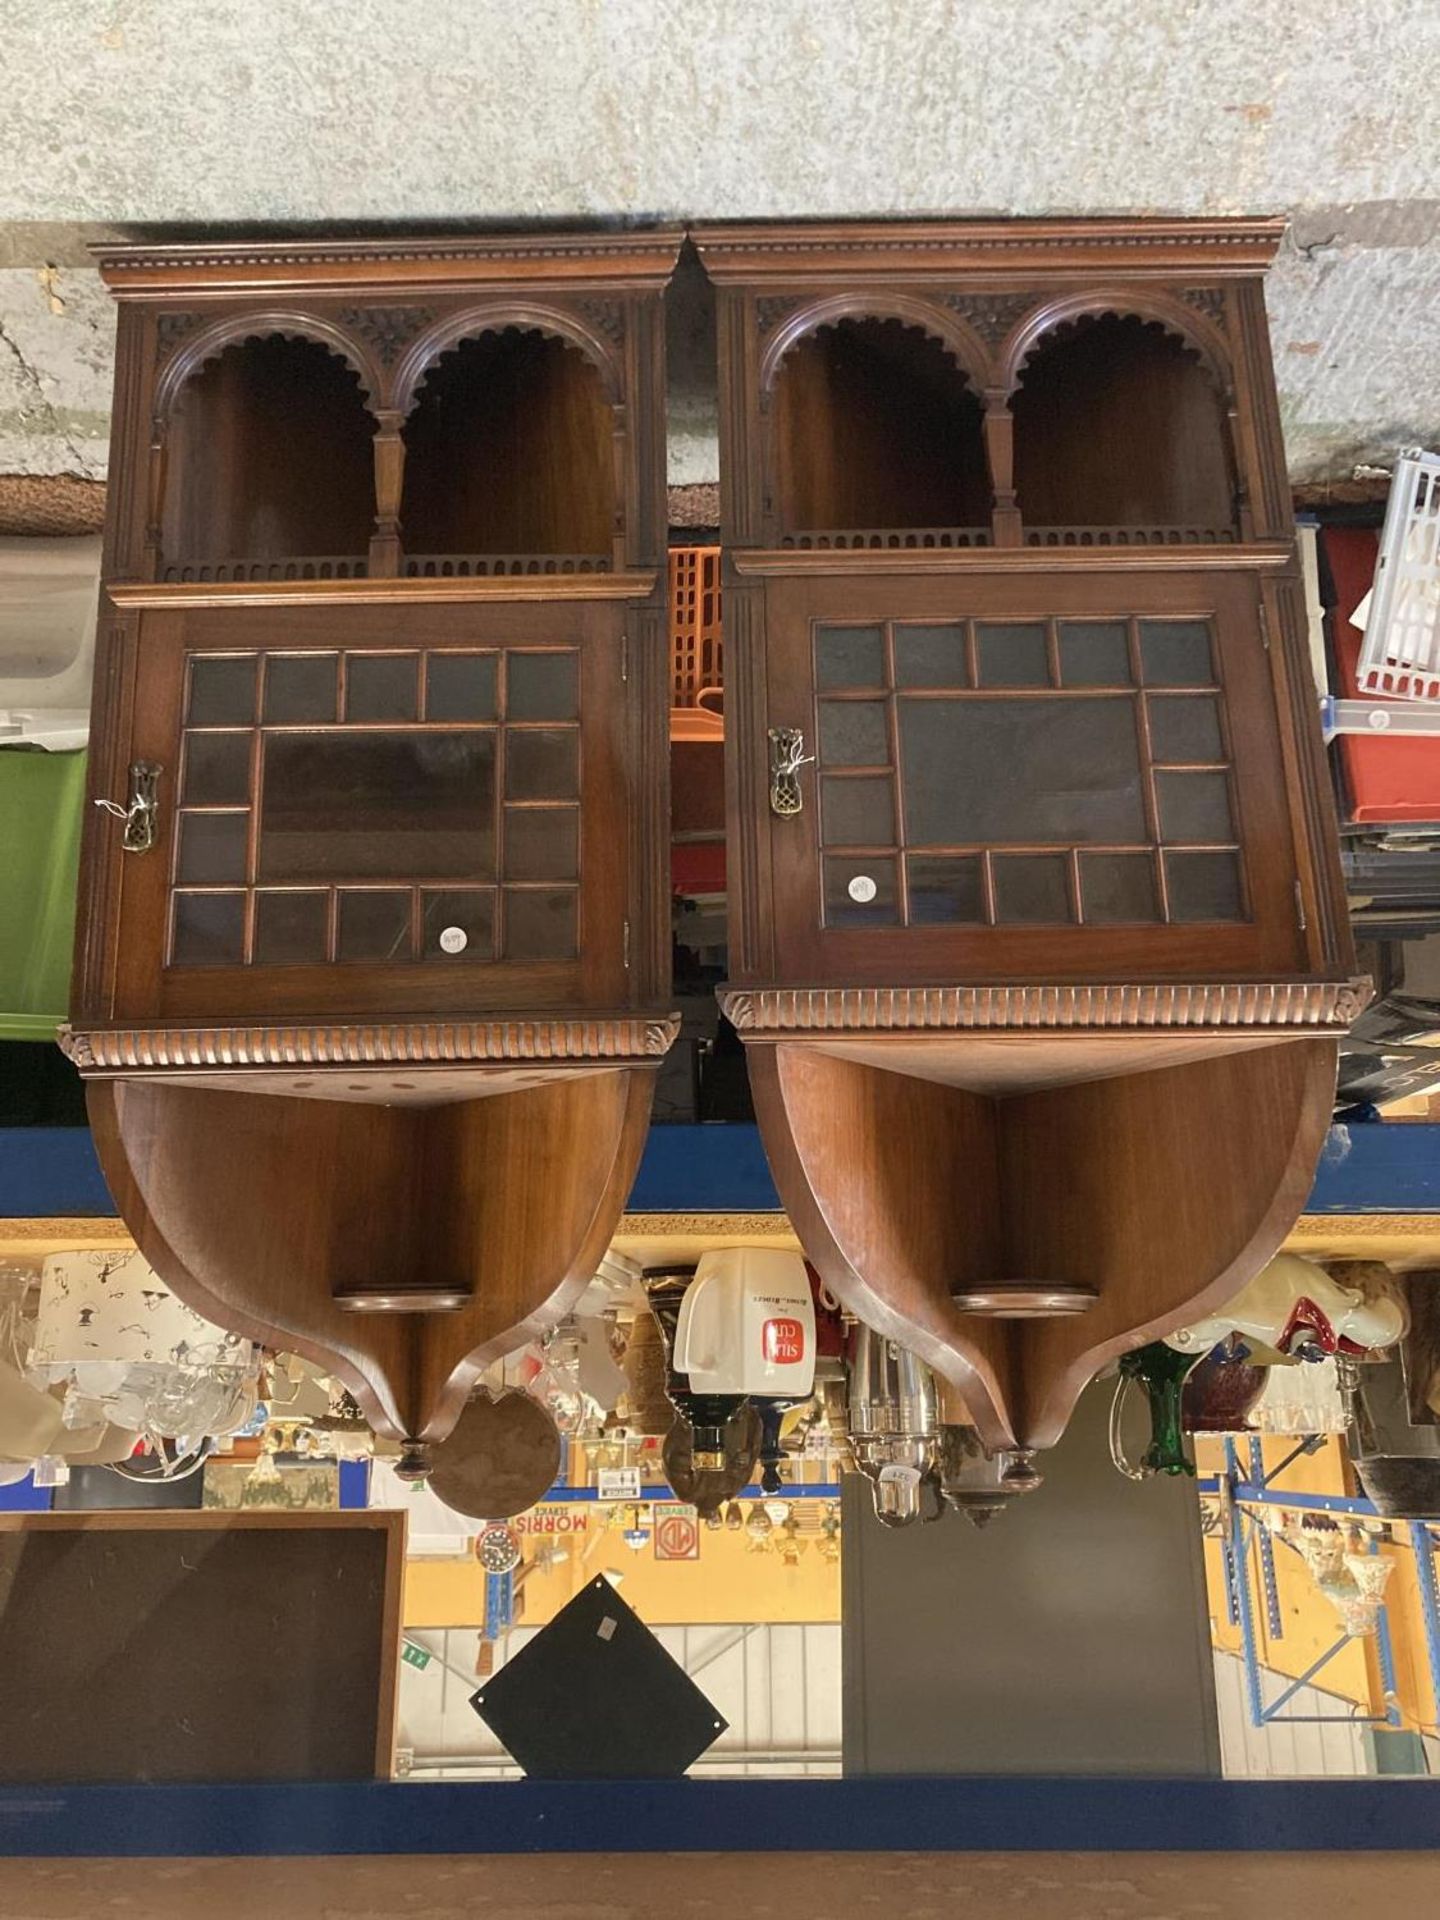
(139, 814)
(787, 756)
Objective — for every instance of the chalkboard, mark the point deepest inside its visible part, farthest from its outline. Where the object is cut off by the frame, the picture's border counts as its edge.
(173, 1646)
(594, 1696)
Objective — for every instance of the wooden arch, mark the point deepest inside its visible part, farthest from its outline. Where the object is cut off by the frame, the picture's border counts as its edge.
(1182, 322)
(499, 316)
(236, 328)
(942, 324)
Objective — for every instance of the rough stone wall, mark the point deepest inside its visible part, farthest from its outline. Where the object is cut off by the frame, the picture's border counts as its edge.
(131, 114)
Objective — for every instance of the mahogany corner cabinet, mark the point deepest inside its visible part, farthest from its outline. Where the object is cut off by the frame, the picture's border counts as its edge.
(1037, 937)
(373, 961)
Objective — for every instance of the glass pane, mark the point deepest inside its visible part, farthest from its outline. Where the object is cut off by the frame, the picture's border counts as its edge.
(1032, 888)
(542, 686)
(1011, 656)
(984, 772)
(1176, 653)
(457, 925)
(222, 692)
(299, 688)
(209, 930)
(930, 657)
(861, 892)
(540, 923)
(945, 889)
(291, 929)
(460, 686)
(542, 843)
(853, 733)
(858, 813)
(374, 926)
(1094, 653)
(1118, 886)
(1186, 729)
(212, 848)
(1194, 806)
(381, 686)
(217, 770)
(543, 765)
(850, 657)
(1204, 886)
(417, 806)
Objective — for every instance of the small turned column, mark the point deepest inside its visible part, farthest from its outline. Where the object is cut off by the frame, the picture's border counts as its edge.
(999, 428)
(154, 499)
(1244, 512)
(619, 456)
(389, 478)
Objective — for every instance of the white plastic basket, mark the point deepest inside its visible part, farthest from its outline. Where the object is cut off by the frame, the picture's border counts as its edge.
(1401, 654)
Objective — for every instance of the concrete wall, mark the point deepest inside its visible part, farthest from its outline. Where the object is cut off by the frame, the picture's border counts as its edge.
(342, 110)
(1070, 1636)
(120, 116)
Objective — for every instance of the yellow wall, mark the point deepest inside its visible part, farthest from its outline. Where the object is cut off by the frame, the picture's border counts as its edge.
(727, 1586)
(1310, 1622)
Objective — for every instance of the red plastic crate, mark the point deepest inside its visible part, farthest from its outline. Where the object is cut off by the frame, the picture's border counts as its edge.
(696, 645)
(1390, 777)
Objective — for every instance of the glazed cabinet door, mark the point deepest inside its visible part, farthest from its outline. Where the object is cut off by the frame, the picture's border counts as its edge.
(1028, 778)
(351, 823)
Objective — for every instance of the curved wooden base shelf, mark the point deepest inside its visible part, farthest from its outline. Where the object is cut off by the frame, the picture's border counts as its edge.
(270, 1215)
(1163, 1188)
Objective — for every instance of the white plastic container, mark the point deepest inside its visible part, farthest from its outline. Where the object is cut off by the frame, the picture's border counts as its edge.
(747, 1324)
(49, 591)
(1401, 654)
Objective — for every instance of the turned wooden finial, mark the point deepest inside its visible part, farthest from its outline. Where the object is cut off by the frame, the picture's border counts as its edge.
(416, 1462)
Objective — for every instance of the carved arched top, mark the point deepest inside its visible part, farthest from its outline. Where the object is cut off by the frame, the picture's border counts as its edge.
(235, 329)
(959, 340)
(500, 316)
(1196, 333)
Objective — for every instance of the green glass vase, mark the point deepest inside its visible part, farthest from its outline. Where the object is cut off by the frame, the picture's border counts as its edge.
(1162, 1372)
